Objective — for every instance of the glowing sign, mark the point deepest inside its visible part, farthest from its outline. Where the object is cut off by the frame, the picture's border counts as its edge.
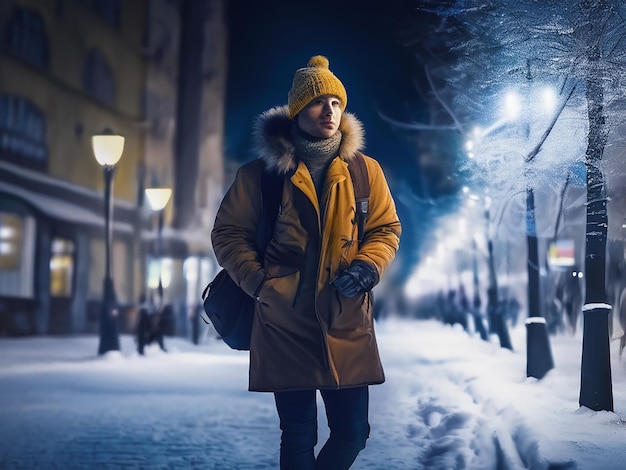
(561, 253)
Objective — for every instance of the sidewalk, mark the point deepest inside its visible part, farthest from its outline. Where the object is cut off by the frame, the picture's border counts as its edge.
(65, 408)
(450, 401)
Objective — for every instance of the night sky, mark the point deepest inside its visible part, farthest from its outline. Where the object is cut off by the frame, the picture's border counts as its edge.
(270, 40)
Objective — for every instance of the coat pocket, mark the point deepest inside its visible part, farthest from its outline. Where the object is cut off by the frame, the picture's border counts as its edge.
(353, 312)
(277, 296)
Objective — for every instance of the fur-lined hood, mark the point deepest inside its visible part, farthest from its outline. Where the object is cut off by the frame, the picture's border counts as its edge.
(272, 138)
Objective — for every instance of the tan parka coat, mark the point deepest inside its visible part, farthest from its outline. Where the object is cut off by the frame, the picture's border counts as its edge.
(331, 342)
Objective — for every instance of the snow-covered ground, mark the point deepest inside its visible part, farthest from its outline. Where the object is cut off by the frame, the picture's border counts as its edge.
(450, 401)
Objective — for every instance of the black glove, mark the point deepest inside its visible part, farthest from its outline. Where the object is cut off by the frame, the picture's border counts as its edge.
(358, 278)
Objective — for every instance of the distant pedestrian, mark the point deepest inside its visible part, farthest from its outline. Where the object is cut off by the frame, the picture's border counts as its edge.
(622, 319)
(477, 315)
(450, 308)
(569, 291)
(455, 311)
(463, 308)
(151, 325)
(467, 310)
(196, 323)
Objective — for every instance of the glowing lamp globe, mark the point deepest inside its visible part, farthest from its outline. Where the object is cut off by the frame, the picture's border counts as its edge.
(107, 148)
(158, 197)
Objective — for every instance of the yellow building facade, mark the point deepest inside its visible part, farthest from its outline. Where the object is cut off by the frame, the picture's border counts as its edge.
(69, 70)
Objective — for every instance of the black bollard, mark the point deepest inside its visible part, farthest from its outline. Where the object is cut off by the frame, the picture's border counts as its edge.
(596, 390)
(539, 355)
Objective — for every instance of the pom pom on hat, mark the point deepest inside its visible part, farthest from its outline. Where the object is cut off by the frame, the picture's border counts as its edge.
(312, 81)
(319, 61)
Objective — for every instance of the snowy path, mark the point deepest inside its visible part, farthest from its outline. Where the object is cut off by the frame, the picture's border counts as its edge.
(450, 401)
(449, 423)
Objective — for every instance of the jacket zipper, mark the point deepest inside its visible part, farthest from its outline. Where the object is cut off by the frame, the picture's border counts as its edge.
(326, 349)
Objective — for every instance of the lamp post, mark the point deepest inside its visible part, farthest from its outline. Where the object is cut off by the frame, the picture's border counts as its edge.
(495, 312)
(471, 200)
(107, 148)
(539, 356)
(538, 353)
(158, 199)
(478, 321)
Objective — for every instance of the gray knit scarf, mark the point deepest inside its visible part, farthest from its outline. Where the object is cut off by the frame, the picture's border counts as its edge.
(316, 153)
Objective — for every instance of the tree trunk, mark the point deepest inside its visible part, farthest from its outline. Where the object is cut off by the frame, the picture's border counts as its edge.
(538, 353)
(595, 388)
(534, 307)
(597, 218)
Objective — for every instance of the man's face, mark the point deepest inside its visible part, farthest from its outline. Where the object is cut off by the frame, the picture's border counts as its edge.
(321, 117)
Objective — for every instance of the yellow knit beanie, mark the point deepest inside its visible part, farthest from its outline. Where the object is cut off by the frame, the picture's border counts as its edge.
(312, 81)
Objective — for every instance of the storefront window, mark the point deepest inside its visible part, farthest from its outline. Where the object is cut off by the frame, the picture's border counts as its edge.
(61, 268)
(162, 267)
(198, 273)
(17, 238)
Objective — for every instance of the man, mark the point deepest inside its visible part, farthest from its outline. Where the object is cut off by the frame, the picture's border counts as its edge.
(313, 327)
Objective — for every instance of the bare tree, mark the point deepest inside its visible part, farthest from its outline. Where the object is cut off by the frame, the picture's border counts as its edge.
(582, 42)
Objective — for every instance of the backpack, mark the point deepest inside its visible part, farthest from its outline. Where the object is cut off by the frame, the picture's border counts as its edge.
(226, 305)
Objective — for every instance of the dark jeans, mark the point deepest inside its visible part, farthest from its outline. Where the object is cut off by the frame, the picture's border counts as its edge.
(347, 415)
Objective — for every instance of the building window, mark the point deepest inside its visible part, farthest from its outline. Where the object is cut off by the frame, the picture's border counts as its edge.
(17, 248)
(26, 37)
(61, 268)
(108, 10)
(98, 77)
(22, 130)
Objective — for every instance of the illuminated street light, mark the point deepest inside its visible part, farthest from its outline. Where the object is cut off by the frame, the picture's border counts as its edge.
(512, 106)
(548, 100)
(158, 199)
(107, 148)
(538, 354)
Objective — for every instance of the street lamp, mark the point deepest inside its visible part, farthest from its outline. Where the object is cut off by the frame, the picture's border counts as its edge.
(539, 356)
(158, 199)
(476, 302)
(107, 148)
(495, 312)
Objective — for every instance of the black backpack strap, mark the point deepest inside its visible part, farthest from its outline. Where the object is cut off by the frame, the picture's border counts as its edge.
(271, 193)
(361, 182)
